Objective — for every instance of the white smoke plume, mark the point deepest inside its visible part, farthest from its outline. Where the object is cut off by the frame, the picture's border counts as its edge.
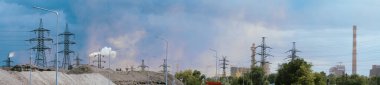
(11, 54)
(93, 54)
(106, 51)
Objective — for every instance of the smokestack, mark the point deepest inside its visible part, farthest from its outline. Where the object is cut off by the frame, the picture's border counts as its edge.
(253, 60)
(354, 51)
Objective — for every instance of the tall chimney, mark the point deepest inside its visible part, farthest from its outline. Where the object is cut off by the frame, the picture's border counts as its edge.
(354, 51)
(253, 60)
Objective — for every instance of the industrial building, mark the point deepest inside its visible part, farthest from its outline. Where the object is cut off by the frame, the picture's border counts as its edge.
(239, 71)
(338, 70)
(375, 71)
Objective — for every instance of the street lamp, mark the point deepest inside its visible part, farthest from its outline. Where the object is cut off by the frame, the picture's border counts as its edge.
(166, 58)
(216, 63)
(30, 65)
(109, 64)
(30, 68)
(56, 54)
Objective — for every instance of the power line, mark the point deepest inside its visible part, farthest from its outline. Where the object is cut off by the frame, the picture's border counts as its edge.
(13, 31)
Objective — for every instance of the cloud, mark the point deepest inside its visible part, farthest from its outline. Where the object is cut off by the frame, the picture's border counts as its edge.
(106, 51)
(127, 47)
(192, 27)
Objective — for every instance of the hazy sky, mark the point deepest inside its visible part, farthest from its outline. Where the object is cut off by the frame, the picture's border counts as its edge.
(322, 30)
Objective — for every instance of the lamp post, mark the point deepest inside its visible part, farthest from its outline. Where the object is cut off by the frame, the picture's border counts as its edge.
(30, 65)
(166, 63)
(30, 68)
(56, 61)
(216, 63)
(109, 64)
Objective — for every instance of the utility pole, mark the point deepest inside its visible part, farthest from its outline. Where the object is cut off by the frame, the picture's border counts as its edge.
(293, 52)
(166, 58)
(224, 65)
(264, 54)
(143, 66)
(99, 61)
(66, 62)
(216, 63)
(354, 51)
(40, 60)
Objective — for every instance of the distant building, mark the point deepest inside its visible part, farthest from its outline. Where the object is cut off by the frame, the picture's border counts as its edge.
(338, 70)
(375, 71)
(266, 69)
(239, 71)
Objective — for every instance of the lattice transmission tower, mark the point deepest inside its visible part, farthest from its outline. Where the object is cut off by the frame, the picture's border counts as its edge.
(293, 52)
(77, 60)
(264, 54)
(40, 48)
(99, 61)
(143, 66)
(66, 62)
(224, 65)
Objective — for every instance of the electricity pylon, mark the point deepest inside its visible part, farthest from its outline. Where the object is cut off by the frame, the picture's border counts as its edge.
(224, 65)
(143, 66)
(66, 62)
(264, 54)
(293, 52)
(40, 60)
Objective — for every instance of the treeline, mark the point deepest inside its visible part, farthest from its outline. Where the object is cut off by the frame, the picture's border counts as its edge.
(294, 72)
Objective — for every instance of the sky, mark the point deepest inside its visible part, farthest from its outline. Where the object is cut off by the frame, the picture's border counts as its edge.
(132, 30)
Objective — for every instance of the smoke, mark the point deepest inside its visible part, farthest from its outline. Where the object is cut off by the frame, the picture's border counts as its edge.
(93, 54)
(11, 54)
(131, 28)
(106, 51)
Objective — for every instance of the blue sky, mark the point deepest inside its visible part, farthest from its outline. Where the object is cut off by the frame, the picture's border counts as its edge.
(322, 30)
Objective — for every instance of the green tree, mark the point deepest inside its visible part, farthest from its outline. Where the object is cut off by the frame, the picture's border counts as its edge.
(320, 78)
(374, 81)
(257, 76)
(296, 71)
(351, 80)
(190, 77)
(331, 79)
(272, 78)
